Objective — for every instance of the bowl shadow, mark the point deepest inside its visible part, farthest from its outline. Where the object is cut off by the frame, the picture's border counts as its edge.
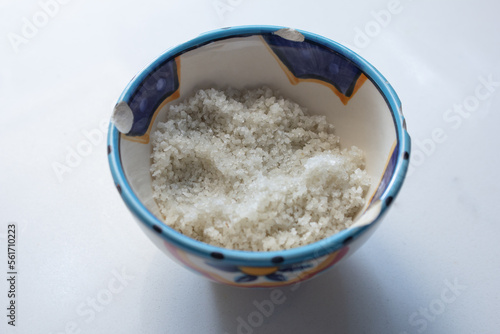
(352, 297)
(330, 303)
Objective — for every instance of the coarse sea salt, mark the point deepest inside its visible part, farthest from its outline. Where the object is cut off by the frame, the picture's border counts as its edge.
(251, 170)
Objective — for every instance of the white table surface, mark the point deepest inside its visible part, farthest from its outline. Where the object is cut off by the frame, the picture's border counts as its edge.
(83, 264)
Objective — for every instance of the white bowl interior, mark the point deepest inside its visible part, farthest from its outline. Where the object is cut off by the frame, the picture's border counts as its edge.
(247, 62)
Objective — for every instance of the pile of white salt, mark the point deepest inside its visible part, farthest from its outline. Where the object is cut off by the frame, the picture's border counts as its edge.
(250, 170)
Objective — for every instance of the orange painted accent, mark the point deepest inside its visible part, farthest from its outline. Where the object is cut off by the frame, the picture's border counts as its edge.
(256, 271)
(361, 80)
(386, 164)
(144, 139)
(294, 80)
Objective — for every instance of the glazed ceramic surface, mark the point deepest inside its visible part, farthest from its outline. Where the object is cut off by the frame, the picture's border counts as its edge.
(313, 71)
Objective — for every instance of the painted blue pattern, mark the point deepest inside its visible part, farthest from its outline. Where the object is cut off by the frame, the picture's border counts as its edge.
(388, 173)
(156, 87)
(277, 275)
(308, 60)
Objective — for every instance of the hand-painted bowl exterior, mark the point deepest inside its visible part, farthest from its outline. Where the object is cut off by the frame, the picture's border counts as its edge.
(315, 72)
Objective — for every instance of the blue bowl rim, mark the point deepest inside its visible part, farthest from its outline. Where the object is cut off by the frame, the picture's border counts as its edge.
(250, 258)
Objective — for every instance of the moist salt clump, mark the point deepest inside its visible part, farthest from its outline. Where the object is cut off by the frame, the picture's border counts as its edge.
(250, 170)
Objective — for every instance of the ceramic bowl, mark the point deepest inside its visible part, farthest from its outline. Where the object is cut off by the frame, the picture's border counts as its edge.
(315, 72)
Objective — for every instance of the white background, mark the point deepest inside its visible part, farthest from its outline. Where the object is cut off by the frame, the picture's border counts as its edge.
(76, 236)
